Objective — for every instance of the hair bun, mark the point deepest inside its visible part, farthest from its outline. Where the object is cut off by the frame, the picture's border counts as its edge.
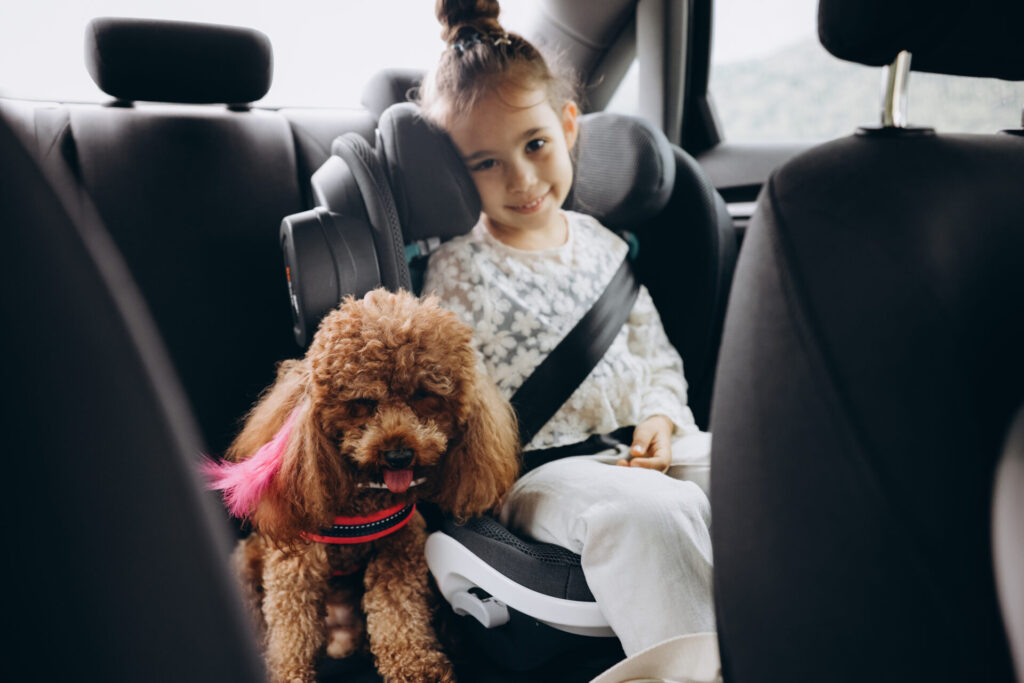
(454, 14)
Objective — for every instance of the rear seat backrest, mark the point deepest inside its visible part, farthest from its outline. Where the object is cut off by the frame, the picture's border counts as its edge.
(314, 129)
(193, 194)
(193, 198)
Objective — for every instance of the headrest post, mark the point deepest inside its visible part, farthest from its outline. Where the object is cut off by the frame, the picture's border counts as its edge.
(894, 92)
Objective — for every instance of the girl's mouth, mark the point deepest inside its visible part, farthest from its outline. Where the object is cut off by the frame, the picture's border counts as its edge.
(529, 207)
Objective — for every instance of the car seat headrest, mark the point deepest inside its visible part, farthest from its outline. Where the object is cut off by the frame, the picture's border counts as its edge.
(977, 39)
(625, 173)
(389, 86)
(433, 193)
(175, 61)
(625, 170)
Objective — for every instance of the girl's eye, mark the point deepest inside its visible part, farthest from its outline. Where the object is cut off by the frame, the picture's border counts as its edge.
(483, 165)
(535, 144)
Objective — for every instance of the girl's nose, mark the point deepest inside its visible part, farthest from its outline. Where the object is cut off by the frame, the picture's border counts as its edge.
(520, 176)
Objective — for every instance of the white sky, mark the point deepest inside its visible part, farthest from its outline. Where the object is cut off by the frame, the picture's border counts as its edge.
(324, 50)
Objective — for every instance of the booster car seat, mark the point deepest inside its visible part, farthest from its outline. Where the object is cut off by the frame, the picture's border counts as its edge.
(381, 211)
(870, 372)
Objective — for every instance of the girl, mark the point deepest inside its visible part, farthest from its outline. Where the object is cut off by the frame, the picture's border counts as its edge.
(521, 279)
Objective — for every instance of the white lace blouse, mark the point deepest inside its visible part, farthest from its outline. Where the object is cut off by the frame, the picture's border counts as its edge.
(521, 304)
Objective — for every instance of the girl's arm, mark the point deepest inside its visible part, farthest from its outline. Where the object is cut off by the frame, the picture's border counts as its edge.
(663, 406)
(665, 394)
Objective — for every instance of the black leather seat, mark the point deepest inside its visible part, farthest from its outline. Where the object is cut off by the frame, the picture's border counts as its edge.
(870, 369)
(115, 569)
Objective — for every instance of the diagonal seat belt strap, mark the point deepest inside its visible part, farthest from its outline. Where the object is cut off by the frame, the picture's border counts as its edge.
(565, 368)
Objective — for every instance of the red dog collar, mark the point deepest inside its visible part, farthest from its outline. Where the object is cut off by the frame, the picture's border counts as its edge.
(365, 529)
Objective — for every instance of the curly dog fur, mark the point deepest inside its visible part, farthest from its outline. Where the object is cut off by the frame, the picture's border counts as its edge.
(386, 372)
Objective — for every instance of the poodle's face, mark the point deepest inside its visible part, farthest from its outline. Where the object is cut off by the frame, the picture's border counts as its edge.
(389, 376)
(388, 398)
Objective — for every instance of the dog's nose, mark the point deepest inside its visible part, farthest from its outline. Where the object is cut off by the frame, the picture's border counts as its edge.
(398, 458)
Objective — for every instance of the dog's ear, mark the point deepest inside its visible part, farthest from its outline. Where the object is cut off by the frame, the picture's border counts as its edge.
(255, 458)
(271, 411)
(303, 497)
(301, 476)
(480, 467)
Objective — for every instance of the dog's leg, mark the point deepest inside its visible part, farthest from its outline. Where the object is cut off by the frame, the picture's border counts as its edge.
(248, 563)
(398, 614)
(294, 584)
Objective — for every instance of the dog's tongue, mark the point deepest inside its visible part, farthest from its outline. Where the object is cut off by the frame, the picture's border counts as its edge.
(398, 481)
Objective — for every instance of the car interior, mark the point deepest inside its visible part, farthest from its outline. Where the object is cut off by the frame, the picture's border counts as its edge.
(849, 316)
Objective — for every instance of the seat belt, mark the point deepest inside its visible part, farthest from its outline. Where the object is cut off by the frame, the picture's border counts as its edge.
(561, 373)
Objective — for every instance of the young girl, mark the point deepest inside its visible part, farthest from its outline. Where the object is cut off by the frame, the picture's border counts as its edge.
(522, 279)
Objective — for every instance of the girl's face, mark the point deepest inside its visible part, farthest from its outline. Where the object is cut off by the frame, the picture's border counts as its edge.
(516, 147)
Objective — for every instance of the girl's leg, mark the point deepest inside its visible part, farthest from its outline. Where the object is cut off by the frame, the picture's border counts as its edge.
(643, 537)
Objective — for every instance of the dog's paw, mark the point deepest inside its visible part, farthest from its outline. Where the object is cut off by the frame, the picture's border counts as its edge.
(293, 677)
(343, 641)
(446, 675)
(341, 614)
(345, 629)
(430, 667)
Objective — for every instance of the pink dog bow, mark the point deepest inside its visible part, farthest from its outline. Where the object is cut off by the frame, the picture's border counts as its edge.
(243, 483)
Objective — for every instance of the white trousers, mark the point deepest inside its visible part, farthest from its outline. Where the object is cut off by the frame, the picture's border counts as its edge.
(644, 537)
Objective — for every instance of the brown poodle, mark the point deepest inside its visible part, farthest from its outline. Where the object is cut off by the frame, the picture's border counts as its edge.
(387, 408)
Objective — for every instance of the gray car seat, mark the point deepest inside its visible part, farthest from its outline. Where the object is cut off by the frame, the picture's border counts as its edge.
(870, 371)
(382, 209)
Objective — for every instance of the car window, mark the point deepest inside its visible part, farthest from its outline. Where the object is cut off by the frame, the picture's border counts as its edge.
(626, 99)
(771, 80)
(324, 50)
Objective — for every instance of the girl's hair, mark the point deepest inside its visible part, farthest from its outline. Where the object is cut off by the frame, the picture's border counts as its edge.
(481, 57)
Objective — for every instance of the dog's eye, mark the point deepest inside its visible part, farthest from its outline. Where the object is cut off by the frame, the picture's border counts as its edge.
(423, 395)
(361, 407)
(424, 401)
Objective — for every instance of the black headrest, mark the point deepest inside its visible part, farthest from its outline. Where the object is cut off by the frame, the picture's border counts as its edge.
(625, 170)
(175, 61)
(434, 195)
(389, 86)
(980, 38)
(625, 173)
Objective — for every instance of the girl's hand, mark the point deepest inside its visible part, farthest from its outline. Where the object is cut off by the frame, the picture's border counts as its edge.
(652, 444)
